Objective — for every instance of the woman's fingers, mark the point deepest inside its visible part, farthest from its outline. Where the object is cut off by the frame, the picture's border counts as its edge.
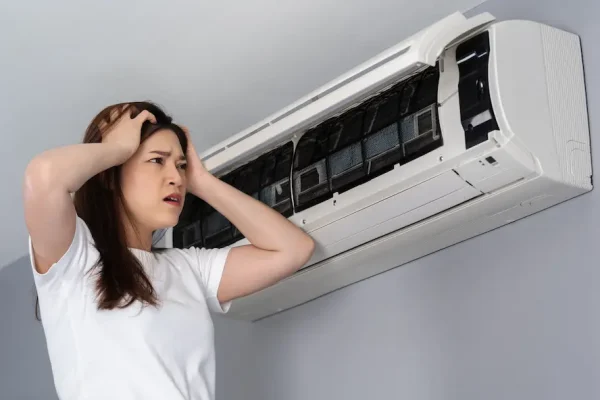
(145, 116)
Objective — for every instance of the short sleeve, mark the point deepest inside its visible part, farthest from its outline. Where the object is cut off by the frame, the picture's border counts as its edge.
(71, 264)
(210, 264)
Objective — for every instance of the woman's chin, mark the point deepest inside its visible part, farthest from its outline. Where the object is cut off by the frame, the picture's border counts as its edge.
(166, 223)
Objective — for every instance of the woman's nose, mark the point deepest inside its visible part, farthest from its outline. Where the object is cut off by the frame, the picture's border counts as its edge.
(174, 176)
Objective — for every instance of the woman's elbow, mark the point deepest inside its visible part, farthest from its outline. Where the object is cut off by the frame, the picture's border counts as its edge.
(303, 251)
(309, 247)
(38, 178)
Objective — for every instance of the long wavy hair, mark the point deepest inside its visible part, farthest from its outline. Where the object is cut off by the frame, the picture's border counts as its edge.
(121, 279)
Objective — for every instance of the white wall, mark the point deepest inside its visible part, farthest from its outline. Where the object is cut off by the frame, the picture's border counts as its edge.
(24, 365)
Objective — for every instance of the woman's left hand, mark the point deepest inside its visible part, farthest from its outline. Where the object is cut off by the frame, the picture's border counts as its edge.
(195, 170)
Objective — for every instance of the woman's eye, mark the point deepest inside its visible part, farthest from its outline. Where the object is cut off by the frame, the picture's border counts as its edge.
(157, 160)
(182, 166)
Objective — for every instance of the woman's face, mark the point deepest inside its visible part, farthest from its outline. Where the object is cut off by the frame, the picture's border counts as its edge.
(153, 182)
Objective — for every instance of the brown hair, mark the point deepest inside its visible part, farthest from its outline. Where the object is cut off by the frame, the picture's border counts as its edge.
(121, 280)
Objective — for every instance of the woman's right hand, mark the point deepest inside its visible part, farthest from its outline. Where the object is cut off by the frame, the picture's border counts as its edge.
(125, 133)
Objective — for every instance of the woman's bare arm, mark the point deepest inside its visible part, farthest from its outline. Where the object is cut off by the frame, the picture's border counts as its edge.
(53, 175)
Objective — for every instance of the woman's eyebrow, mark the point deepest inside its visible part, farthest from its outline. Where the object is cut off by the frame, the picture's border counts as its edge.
(166, 154)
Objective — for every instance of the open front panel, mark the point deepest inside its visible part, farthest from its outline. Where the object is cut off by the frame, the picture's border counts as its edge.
(395, 64)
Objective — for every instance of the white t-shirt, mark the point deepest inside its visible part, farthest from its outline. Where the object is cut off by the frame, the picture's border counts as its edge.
(140, 352)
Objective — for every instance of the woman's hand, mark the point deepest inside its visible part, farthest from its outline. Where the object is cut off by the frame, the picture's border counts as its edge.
(125, 133)
(195, 171)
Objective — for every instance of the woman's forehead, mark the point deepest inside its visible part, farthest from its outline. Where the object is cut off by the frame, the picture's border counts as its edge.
(163, 140)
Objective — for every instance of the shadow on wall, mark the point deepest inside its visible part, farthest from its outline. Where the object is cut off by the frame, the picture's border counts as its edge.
(25, 371)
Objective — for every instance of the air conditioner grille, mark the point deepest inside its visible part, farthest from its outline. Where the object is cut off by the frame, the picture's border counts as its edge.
(367, 141)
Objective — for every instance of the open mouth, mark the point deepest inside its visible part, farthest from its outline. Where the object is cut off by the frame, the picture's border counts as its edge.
(173, 200)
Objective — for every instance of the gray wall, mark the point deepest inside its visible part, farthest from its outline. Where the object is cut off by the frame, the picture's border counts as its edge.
(24, 364)
(513, 314)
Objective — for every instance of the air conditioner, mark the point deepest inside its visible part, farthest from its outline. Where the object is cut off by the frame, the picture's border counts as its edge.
(464, 127)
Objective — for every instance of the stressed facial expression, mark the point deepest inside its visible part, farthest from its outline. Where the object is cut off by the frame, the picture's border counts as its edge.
(153, 181)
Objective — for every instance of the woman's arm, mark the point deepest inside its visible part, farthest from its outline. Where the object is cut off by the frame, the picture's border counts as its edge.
(278, 248)
(53, 175)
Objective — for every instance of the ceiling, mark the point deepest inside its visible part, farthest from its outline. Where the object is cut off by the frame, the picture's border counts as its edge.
(217, 67)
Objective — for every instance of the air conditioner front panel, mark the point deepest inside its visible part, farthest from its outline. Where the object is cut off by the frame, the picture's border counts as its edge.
(401, 221)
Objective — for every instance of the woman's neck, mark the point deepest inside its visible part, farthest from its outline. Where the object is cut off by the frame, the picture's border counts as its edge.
(138, 238)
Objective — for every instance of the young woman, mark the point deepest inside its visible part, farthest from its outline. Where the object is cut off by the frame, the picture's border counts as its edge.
(123, 321)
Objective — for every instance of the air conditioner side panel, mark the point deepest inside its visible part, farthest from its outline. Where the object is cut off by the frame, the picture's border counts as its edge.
(568, 105)
(538, 94)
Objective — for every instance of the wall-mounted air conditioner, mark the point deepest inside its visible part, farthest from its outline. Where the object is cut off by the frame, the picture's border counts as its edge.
(466, 126)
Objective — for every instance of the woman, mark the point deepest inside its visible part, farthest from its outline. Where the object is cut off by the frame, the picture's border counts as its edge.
(123, 321)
